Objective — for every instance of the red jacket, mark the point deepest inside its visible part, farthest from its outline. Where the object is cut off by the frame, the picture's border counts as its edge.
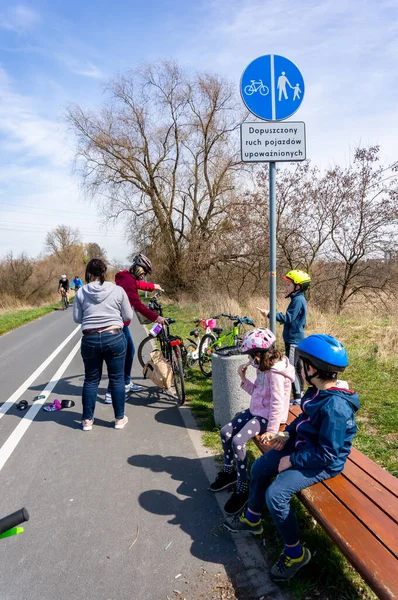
(131, 287)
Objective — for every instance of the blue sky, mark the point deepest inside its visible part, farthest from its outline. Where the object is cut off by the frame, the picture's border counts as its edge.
(53, 52)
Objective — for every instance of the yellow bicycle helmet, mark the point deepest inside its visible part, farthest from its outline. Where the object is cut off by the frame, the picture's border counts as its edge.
(298, 278)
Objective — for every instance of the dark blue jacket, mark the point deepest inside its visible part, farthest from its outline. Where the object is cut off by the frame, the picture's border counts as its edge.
(295, 318)
(321, 435)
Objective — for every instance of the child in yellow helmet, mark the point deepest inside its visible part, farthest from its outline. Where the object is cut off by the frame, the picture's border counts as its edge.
(294, 321)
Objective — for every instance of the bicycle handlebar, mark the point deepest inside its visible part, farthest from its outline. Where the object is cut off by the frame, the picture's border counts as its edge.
(238, 319)
(13, 520)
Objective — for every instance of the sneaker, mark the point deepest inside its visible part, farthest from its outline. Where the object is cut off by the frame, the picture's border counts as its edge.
(223, 481)
(135, 388)
(236, 503)
(120, 423)
(239, 523)
(87, 424)
(285, 567)
(108, 398)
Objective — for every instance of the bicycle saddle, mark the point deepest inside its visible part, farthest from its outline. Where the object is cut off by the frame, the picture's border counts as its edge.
(195, 332)
(217, 330)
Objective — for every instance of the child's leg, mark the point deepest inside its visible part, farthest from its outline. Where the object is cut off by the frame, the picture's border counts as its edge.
(227, 432)
(278, 497)
(262, 472)
(255, 426)
(294, 359)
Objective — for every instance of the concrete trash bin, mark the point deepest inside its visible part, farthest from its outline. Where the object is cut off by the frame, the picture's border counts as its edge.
(228, 396)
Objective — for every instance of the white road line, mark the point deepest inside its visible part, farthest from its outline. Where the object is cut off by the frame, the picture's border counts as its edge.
(9, 446)
(22, 388)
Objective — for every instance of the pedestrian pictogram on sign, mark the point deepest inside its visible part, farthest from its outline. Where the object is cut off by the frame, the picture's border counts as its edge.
(272, 87)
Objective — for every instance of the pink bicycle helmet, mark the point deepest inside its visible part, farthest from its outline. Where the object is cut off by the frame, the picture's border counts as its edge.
(257, 340)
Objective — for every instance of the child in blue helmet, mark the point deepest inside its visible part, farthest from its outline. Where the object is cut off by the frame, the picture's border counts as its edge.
(314, 447)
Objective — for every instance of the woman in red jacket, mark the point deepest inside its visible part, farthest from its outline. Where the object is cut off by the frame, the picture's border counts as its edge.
(132, 281)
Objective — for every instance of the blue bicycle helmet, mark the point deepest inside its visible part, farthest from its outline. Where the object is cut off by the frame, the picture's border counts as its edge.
(324, 352)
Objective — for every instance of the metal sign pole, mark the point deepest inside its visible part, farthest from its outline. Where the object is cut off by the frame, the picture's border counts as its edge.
(272, 246)
(272, 88)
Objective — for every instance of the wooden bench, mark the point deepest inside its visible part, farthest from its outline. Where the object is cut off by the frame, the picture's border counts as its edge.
(358, 509)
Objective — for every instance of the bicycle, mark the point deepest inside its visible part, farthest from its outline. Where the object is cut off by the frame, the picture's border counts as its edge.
(192, 348)
(64, 299)
(171, 347)
(210, 343)
(256, 86)
(9, 524)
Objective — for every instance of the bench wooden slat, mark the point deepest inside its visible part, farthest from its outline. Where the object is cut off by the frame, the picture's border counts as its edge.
(369, 557)
(363, 509)
(376, 471)
(369, 487)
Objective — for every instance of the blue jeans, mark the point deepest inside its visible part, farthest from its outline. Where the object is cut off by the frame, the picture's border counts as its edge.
(96, 348)
(128, 361)
(277, 495)
(128, 364)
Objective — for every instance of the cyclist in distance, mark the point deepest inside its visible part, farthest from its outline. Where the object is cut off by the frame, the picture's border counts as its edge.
(64, 284)
(76, 283)
(131, 281)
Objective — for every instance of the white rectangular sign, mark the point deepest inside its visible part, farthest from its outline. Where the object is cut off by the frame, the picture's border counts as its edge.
(281, 141)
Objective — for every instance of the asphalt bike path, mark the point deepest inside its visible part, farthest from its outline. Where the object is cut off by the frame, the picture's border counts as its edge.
(114, 515)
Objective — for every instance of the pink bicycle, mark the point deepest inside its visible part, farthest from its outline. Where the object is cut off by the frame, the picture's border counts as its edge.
(192, 349)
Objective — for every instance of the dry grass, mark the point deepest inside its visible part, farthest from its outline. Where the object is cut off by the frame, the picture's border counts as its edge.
(358, 326)
(10, 303)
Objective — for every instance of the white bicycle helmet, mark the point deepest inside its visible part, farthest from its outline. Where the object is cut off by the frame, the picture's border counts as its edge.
(257, 340)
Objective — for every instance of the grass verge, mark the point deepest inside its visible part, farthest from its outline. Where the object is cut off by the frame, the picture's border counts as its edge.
(15, 318)
(329, 576)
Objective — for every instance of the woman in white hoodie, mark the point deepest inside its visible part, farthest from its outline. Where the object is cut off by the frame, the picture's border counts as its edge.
(102, 308)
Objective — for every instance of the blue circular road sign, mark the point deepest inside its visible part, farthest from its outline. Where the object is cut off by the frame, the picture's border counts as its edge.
(272, 87)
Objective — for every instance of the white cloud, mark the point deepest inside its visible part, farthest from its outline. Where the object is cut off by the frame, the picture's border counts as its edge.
(27, 132)
(20, 19)
(81, 67)
(37, 189)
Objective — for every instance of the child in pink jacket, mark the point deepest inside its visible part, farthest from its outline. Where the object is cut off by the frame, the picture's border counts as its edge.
(269, 407)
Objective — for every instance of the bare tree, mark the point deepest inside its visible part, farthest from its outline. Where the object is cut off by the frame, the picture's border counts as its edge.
(62, 242)
(162, 155)
(302, 210)
(15, 273)
(94, 250)
(363, 219)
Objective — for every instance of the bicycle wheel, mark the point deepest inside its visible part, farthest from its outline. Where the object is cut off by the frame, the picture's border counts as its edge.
(178, 375)
(205, 351)
(248, 90)
(263, 90)
(147, 346)
(64, 302)
(192, 355)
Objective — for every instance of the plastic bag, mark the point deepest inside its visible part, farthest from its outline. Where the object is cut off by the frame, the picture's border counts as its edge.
(159, 370)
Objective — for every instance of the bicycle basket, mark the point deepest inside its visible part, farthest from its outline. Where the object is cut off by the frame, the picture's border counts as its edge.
(142, 319)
